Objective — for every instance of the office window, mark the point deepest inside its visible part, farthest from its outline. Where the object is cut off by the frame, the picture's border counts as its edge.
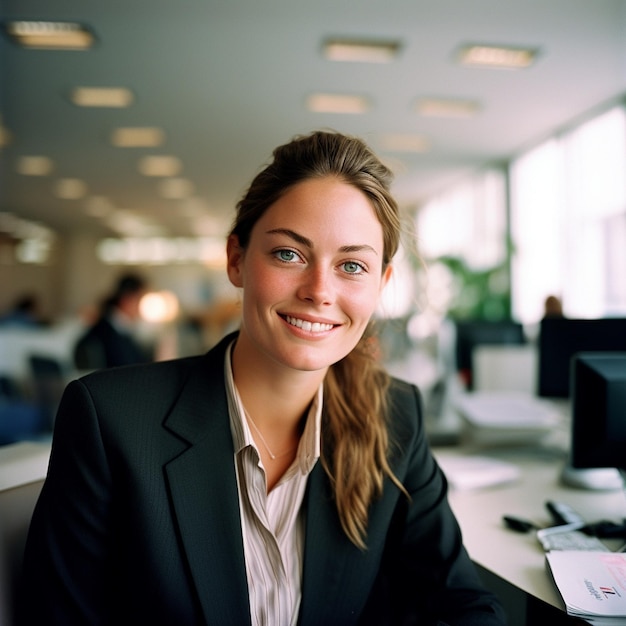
(568, 221)
(462, 237)
(537, 221)
(468, 222)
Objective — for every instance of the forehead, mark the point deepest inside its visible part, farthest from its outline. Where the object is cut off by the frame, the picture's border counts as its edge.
(326, 207)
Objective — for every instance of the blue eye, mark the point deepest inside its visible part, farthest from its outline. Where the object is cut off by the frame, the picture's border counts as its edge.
(288, 256)
(352, 267)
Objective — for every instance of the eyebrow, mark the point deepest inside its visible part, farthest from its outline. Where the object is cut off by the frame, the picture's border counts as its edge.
(305, 241)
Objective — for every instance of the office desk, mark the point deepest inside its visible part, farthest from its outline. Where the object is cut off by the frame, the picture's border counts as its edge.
(513, 564)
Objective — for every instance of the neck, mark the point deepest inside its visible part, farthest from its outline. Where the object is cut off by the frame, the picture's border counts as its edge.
(274, 396)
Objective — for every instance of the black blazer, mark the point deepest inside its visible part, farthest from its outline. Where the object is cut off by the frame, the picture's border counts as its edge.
(138, 520)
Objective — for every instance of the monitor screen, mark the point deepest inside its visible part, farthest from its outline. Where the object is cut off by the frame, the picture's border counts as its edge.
(471, 333)
(561, 338)
(599, 410)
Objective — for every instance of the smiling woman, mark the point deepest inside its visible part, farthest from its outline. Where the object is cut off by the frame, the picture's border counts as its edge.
(283, 478)
(308, 298)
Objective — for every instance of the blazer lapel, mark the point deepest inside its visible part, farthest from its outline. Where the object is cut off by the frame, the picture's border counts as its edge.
(337, 575)
(204, 497)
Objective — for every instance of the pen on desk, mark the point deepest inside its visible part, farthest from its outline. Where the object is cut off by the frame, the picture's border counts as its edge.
(518, 524)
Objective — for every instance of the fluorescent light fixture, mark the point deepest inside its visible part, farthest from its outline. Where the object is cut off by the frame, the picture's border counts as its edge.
(404, 142)
(127, 223)
(499, 57)
(195, 207)
(337, 103)
(50, 35)
(160, 165)
(137, 137)
(34, 165)
(206, 225)
(360, 51)
(176, 188)
(70, 189)
(115, 97)
(98, 206)
(446, 107)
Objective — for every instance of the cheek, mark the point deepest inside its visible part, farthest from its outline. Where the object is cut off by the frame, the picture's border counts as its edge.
(360, 303)
(264, 284)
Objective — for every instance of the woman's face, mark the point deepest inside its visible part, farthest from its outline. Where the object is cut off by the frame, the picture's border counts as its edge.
(311, 276)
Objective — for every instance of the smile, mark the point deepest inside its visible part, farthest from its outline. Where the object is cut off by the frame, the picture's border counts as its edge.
(313, 327)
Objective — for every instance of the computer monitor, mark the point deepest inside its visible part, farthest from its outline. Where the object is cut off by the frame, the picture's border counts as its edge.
(561, 338)
(471, 333)
(598, 436)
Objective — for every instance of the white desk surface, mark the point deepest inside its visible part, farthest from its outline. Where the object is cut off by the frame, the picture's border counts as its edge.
(23, 462)
(518, 558)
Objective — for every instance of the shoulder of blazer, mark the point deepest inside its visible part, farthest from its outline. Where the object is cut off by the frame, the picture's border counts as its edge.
(405, 421)
(172, 373)
(152, 391)
(405, 404)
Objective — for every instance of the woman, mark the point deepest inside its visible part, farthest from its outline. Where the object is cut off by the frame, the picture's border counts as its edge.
(280, 479)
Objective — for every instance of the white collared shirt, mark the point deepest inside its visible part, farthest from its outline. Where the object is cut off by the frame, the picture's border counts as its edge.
(272, 524)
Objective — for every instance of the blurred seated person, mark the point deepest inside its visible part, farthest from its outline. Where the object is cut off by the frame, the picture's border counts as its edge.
(553, 307)
(110, 340)
(24, 313)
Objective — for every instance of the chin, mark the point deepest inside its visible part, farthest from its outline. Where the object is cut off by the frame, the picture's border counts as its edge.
(305, 361)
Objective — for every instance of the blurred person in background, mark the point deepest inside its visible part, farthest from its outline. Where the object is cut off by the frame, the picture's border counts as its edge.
(111, 340)
(552, 308)
(24, 313)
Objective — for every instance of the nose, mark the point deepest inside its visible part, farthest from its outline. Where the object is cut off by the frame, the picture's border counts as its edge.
(317, 286)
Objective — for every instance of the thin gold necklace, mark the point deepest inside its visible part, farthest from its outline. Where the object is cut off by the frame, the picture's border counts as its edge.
(260, 434)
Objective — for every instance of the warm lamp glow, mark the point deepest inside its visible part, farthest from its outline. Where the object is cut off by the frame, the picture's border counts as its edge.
(159, 307)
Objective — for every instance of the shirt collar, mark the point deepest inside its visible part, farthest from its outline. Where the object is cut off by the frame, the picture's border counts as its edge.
(310, 442)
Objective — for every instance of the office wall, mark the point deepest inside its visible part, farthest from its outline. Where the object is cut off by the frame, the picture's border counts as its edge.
(70, 279)
(75, 279)
(46, 281)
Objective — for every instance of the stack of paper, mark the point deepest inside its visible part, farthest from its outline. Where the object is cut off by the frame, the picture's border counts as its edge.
(505, 416)
(476, 472)
(592, 584)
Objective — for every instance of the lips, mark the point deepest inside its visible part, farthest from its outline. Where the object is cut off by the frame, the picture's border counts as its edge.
(312, 327)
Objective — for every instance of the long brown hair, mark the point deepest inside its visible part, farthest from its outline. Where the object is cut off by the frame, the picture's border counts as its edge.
(355, 440)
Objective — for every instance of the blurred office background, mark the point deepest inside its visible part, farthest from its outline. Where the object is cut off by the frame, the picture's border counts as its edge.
(128, 131)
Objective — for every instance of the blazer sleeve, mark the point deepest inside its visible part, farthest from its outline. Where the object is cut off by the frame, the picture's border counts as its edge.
(426, 569)
(67, 560)
(138, 519)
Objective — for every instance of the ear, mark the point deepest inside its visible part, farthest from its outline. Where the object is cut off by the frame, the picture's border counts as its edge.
(234, 261)
(386, 276)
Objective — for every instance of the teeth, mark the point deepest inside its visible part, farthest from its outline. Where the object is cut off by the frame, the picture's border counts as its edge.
(315, 327)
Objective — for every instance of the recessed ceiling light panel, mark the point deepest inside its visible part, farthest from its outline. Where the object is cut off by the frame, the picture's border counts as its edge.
(49, 35)
(404, 142)
(498, 57)
(98, 206)
(337, 103)
(34, 165)
(360, 51)
(5, 135)
(446, 107)
(160, 165)
(70, 189)
(137, 137)
(176, 188)
(115, 97)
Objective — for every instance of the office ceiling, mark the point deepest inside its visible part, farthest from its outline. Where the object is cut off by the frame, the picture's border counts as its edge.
(227, 81)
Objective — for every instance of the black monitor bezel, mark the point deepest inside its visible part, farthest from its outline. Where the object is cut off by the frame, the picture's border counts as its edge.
(598, 429)
(561, 338)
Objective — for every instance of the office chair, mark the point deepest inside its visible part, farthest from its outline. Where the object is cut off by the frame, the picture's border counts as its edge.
(48, 379)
